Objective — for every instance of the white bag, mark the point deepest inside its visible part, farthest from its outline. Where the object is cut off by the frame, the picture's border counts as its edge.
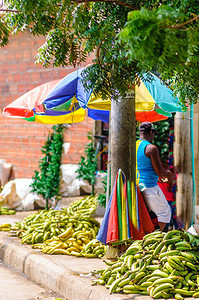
(5, 170)
(69, 183)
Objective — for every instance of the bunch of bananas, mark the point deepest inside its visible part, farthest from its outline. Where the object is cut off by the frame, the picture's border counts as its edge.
(162, 265)
(94, 249)
(38, 227)
(73, 240)
(5, 227)
(85, 207)
(63, 232)
(6, 211)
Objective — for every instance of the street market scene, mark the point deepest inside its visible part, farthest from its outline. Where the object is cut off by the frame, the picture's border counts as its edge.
(99, 165)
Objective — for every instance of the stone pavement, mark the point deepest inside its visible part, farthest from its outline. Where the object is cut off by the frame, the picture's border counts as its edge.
(67, 275)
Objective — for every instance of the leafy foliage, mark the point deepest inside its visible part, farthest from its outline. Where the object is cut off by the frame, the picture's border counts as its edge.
(74, 31)
(129, 37)
(102, 197)
(4, 33)
(46, 182)
(167, 40)
(88, 164)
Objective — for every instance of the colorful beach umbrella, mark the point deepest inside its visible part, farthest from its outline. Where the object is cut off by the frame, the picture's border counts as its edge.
(65, 101)
(154, 101)
(30, 106)
(126, 215)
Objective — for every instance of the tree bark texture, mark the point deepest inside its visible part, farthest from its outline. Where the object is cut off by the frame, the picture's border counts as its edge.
(182, 159)
(196, 149)
(108, 191)
(123, 138)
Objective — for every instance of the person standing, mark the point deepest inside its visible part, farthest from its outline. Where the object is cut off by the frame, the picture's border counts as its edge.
(168, 188)
(149, 169)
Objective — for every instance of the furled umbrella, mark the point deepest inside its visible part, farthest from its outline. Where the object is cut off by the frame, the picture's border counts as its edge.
(65, 101)
(126, 215)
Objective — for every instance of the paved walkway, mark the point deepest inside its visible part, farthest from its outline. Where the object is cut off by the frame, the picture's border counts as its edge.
(67, 275)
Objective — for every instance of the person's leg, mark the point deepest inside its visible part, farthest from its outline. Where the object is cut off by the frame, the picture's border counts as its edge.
(162, 225)
(156, 201)
(169, 225)
(153, 219)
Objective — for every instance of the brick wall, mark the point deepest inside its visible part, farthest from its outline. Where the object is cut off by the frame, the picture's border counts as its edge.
(21, 141)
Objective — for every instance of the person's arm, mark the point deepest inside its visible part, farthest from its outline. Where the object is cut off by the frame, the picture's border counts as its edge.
(151, 151)
(175, 171)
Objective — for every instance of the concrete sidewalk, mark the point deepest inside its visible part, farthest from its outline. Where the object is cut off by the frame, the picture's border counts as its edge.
(63, 274)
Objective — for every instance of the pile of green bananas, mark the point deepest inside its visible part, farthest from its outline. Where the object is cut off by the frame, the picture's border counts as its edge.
(162, 265)
(73, 244)
(5, 227)
(85, 206)
(61, 232)
(40, 226)
(72, 240)
(6, 211)
(94, 249)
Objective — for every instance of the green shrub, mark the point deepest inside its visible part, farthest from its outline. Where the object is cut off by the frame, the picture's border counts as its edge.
(46, 181)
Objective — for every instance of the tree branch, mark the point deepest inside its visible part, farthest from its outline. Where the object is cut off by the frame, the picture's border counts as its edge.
(103, 1)
(84, 1)
(185, 23)
(97, 54)
(10, 10)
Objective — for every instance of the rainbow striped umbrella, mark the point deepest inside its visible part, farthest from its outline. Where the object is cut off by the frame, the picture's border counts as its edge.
(126, 215)
(66, 101)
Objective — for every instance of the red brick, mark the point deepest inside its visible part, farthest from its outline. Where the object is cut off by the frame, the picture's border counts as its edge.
(3, 77)
(13, 88)
(45, 76)
(24, 163)
(5, 68)
(18, 56)
(13, 68)
(9, 56)
(15, 44)
(27, 54)
(22, 88)
(31, 66)
(9, 77)
(35, 76)
(41, 134)
(17, 77)
(22, 67)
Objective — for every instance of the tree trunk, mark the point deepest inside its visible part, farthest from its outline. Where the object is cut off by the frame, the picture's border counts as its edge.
(182, 159)
(108, 164)
(196, 147)
(123, 138)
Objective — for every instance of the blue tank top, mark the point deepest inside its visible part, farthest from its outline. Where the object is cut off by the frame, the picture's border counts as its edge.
(147, 175)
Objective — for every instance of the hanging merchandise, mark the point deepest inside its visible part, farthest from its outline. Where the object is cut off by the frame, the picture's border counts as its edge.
(126, 216)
